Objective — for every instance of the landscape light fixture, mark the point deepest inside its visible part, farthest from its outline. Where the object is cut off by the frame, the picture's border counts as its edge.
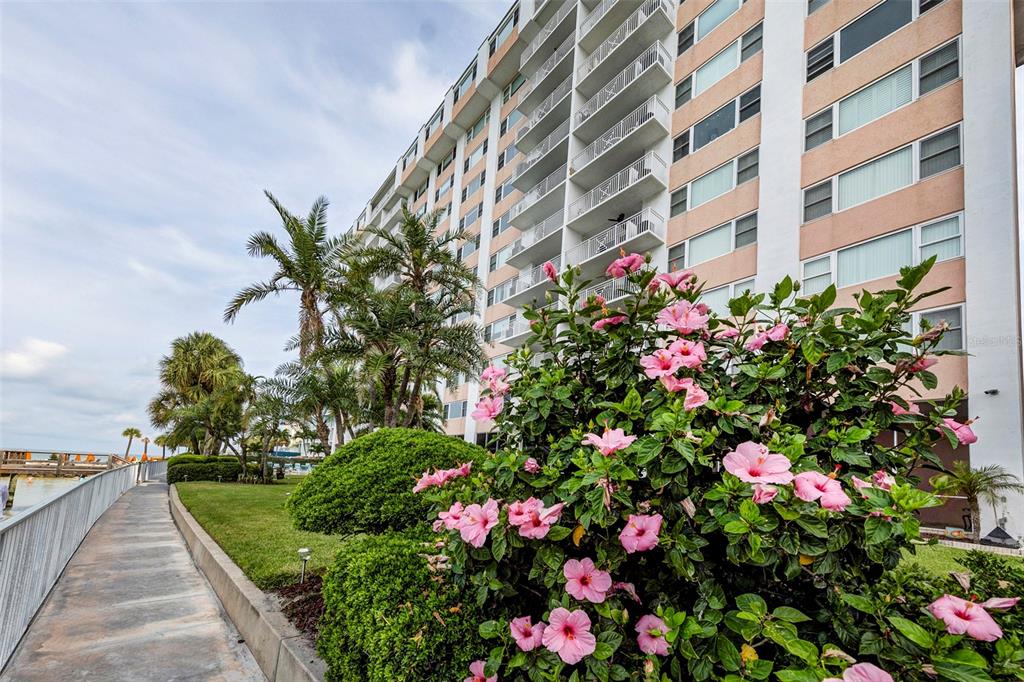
(304, 554)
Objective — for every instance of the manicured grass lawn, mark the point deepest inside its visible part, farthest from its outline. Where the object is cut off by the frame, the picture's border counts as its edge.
(936, 559)
(251, 524)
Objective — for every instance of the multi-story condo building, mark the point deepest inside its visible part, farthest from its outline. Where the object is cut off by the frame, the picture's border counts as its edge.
(833, 141)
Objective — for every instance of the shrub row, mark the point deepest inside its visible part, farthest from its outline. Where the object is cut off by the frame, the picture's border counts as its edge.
(226, 468)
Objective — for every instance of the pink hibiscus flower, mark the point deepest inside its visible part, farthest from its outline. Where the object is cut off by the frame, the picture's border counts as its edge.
(428, 480)
(695, 397)
(488, 408)
(690, 353)
(684, 317)
(752, 463)
(477, 670)
(672, 280)
(568, 635)
(493, 372)
(640, 533)
(621, 266)
(651, 635)
(675, 385)
(862, 672)
(764, 494)
(611, 442)
(585, 582)
(530, 466)
(921, 364)
(550, 272)
(898, 409)
(453, 517)
(813, 485)
(608, 322)
(962, 616)
(519, 511)
(778, 332)
(477, 522)
(527, 635)
(539, 521)
(497, 387)
(628, 588)
(756, 342)
(964, 432)
(727, 333)
(662, 362)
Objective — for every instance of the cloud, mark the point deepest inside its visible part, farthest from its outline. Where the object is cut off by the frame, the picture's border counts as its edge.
(31, 358)
(412, 93)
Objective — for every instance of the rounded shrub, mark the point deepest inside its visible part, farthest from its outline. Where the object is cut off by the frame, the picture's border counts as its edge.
(226, 469)
(389, 616)
(366, 485)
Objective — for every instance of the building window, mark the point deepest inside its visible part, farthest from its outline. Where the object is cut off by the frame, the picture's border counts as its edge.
(815, 5)
(409, 156)
(503, 32)
(501, 224)
(928, 4)
(499, 257)
(820, 59)
(751, 42)
(512, 88)
(446, 161)
(443, 188)
(714, 15)
(746, 230)
(942, 239)
(677, 257)
(678, 202)
(750, 103)
(435, 122)
(712, 184)
(818, 130)
(877, 99)
(473, 185)
(456, 410)
(469, 247)
(503, 191)
(681, 146)
(507, 154)
(684, 40)
(510, 120)
(716, 68)
(875, 178)
(817, 275)
(714, 126)
(684, 91)
(818, 201)
(953, 339)
(499, 329)
(474, 157)
(746, 167)
(874, 259)
(466, 82)
(718, 299)
(420, 191)
(471, 216)
(478, 127)
(940, 67)
(876, 24)
(940, 152)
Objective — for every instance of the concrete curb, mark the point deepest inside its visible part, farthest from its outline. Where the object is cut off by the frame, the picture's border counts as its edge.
(278, 647)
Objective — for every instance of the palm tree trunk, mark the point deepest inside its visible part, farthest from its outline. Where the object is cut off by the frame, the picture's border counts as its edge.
(403, 388)
(323, 433)
(339, 427)
(388, 390)
(415, 411)
(129, 448)
(976, 520)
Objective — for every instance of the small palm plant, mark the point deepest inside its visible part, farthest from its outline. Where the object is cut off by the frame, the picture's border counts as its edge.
(986, 484)
(130, 433)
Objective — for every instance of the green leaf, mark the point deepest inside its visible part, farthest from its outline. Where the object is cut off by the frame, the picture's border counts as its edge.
(912, 631)
(802, 649)
(736, 527)
(647, 450)
(796, 676)
(631, 405)
(858, 602)
(603, 651)
(752, 603)
(557, 533)
(749, 511)
(728, 654)
(489, 629)
(789, 614)
(876, 530)
(815, 527)
(498, 546)
(959, 672)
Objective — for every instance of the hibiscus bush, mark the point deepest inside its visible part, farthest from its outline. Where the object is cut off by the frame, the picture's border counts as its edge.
(682, 495)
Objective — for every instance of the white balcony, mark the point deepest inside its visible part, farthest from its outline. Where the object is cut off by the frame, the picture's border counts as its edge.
(541, 242)
(541, 200)
(559, 26)
(611, 290)
(640, 232)
(545, 157)
(602, 18)
(527, 285)
(546, 116)
(652, 20)
(625, 140)
(391, 217)
(553, 71)
(518, 330)
(624, 191)
(645, 76)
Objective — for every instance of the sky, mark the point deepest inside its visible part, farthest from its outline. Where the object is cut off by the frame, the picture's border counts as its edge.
(136, 140)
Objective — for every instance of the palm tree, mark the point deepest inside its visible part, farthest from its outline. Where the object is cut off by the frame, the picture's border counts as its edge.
(130, 433)
(985, 484)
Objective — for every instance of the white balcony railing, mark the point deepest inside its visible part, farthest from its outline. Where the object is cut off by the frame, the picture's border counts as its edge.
(610, 290)
(646, 221)
(622, 33)
(595, 16)
(539, 190)
(547, 67)
(655, 54)
(539, 231)
(652, 108)
(525, 279)
(542, 109)
(543, 147)
(546, 32)
(650, 163)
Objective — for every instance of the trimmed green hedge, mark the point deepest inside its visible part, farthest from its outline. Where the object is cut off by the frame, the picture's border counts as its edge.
(227, 468)
(388, 618)
(366, 485)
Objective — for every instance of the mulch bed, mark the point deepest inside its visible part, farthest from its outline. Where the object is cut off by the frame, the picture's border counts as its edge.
(303, 604)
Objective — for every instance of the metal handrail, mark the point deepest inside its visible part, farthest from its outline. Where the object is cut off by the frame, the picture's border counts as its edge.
(610, 290)
(542, 109)
(524, 279)
(646, 221)
(621, 34)
(554, 138)
(547, 67)
(539, 231)
(556, 178)
(546, 32)
(653, 107)
(649, 163)
(595, 16)
(655, 54)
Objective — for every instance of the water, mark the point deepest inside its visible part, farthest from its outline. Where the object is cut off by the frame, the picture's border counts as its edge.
(35, 490)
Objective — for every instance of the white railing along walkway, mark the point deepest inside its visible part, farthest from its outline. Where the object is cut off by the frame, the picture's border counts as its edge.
(646, 221)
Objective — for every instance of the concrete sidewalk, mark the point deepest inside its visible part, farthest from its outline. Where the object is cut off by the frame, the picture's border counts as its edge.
(132, 606)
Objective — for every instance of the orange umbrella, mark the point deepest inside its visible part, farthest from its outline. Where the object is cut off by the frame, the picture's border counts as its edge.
(144, 458)
(78, 458)
(90, 458)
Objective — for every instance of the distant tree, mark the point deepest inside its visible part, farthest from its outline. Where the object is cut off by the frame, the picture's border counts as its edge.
(130, 433)
(986, 484)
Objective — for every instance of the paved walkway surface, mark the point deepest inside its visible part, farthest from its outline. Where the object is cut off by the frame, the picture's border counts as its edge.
(132, 606)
